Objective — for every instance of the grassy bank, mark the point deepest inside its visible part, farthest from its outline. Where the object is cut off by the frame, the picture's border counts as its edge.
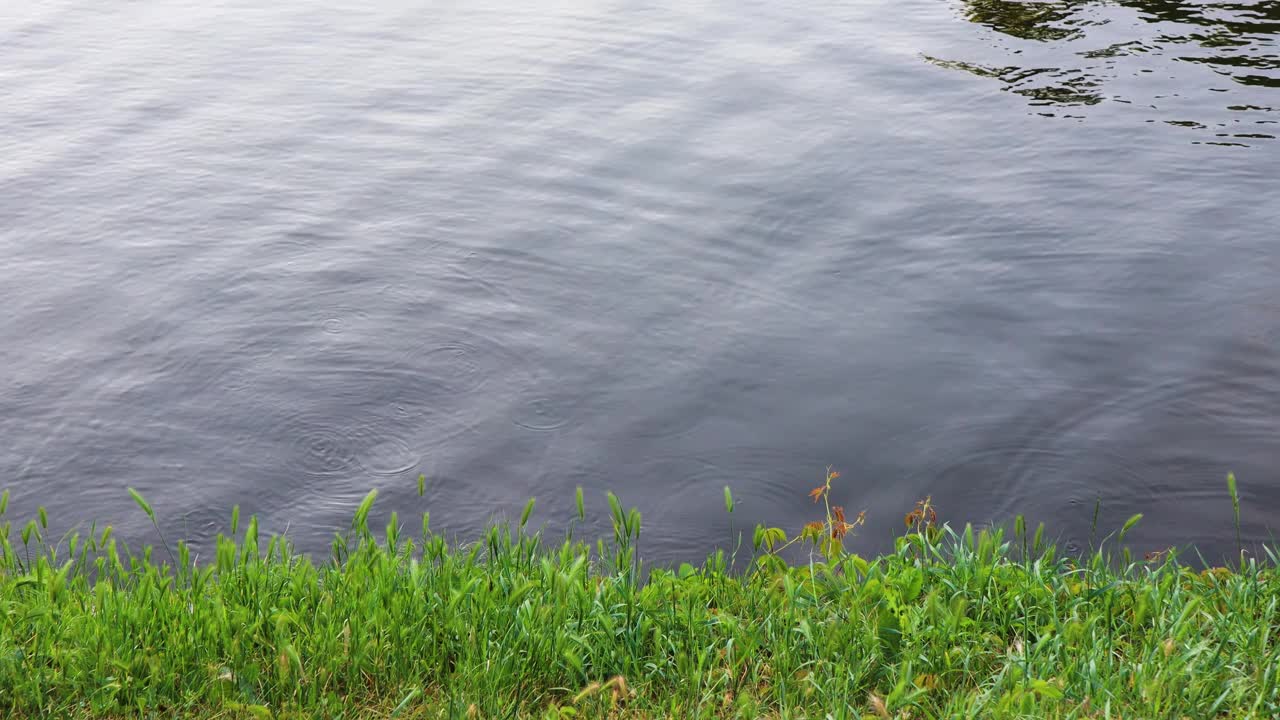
(954, 623)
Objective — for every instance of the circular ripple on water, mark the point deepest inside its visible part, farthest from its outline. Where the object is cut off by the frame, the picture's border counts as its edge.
(462, 362)
(544, 413)
(321, 448)
(452, 284)
(403, 401)
(188, 367)
(197, 371)
(458, 365)
(390, 456)
(347, 446)
(336, 313)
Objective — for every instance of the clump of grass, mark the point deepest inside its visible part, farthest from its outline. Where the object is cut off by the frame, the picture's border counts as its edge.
(954, 623)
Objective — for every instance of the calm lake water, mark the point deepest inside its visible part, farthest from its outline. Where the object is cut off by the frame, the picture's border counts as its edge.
(1023, 257)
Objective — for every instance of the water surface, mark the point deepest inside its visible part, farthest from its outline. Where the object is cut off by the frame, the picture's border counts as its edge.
(1021, 257)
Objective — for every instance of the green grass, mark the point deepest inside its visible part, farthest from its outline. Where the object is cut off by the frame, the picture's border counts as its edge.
(952, 624)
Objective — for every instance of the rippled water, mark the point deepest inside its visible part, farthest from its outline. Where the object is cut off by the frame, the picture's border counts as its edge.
(1019, 256)
(1210, 67)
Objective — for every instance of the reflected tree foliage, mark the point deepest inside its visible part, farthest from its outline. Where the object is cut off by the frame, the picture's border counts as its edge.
(1026, 20)
(1081, 48)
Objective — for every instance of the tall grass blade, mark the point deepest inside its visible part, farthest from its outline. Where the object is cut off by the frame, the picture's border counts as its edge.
(528, 510)
(361, 519)
(1129, 524)
(1235, 509)
(142, 503)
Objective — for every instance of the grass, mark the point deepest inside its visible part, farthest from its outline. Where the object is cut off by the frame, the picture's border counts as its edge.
(955, 623)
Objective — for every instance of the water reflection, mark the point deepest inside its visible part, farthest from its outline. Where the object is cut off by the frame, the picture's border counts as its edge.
(1216, 59)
